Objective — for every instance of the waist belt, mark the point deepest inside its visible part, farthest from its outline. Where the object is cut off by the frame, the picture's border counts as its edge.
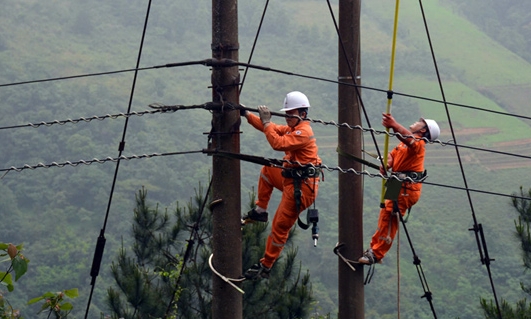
(415, 176)
(301, 172)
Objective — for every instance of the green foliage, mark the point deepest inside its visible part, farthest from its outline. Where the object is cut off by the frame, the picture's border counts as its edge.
(6, 309)
(157, 282)
(139, 278)
(55, 304)
(506, 21)
(522, 309)
(18, 264)
(61, 210)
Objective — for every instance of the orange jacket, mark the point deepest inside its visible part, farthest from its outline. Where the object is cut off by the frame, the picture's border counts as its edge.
(298, 143)
(409, 159)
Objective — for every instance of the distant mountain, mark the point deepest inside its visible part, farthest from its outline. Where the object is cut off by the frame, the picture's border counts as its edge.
(58, 212)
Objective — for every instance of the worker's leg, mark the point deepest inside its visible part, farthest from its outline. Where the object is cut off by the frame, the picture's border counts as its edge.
(382, 240)
(270, 178)
(285, 217)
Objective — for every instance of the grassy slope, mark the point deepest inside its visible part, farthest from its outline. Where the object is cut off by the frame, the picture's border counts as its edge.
(463, 73)
(474, 61)
(468, 61)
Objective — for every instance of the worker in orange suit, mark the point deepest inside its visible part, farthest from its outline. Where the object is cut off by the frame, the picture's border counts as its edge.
(296, 139)
(406, 162)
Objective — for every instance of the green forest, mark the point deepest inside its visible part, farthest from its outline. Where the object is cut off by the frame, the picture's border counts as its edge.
(57, 211)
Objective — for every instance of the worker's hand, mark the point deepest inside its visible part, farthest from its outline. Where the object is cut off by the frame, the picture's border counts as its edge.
(265, 114)
(389, 121)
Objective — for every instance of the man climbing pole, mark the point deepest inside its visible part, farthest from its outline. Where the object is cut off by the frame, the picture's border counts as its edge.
(298, 180)
(405, 161)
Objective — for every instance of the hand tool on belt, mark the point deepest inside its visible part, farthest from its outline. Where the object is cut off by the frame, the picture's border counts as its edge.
(298, 174)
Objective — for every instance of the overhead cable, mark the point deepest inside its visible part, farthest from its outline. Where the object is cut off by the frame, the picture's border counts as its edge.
(265, 161)
(161, 108)
(100, 245)
(210, 62)
(92, 161)
(478, 229)
(254, 46)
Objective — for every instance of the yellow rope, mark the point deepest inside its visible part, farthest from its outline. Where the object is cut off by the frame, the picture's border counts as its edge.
(389, 98)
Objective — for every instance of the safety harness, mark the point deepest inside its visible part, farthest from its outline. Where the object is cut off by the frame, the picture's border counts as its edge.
(399, 180)
(299, 175)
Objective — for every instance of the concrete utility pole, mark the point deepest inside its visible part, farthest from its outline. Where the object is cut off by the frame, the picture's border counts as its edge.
(226, 215)
(351, 291)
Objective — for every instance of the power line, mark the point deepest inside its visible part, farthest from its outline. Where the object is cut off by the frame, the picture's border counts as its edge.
(85, 119)
(271, 161)
(201, 62)
(254, 45)
(160, 108)
(92, 161)
(478, 229)
(70, 77)
(214, 62)
(100, 244)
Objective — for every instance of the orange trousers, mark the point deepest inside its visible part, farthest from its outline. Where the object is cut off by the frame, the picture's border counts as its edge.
(382, 240)
(286, 214)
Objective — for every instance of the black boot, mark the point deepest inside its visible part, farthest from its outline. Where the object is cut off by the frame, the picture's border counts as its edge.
(254, 216)
(257, 271)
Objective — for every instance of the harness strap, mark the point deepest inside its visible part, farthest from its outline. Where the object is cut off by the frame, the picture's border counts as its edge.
(298, 174)
(417, 177)
(301, 173)
(297, 195)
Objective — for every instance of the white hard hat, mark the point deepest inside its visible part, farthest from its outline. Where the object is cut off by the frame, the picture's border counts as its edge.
(295, 100)
(433, 129)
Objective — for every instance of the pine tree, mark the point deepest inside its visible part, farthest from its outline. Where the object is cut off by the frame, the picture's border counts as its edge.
(522, 309)
(169, 275)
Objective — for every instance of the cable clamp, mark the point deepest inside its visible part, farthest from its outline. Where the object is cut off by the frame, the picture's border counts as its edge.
(225, 279)
(345, 260)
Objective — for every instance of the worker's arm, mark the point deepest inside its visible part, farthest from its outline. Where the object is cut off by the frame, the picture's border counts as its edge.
(389, 122)
(254, 121)
(279, 141)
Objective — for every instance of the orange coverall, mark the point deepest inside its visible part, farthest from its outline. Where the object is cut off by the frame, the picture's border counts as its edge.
(405, 159)
(299, 145)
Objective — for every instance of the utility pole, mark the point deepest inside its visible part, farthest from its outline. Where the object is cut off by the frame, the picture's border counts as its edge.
(350, 283)
(226, 176)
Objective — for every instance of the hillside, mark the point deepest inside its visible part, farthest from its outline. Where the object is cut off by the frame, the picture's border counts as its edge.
(58, 212)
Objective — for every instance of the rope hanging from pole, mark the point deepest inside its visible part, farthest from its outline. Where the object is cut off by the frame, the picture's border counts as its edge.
(389, 99)
(416, 261)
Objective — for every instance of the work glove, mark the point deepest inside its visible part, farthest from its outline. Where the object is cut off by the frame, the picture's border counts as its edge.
(265, 114)
(388, 121)
(243, 111)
